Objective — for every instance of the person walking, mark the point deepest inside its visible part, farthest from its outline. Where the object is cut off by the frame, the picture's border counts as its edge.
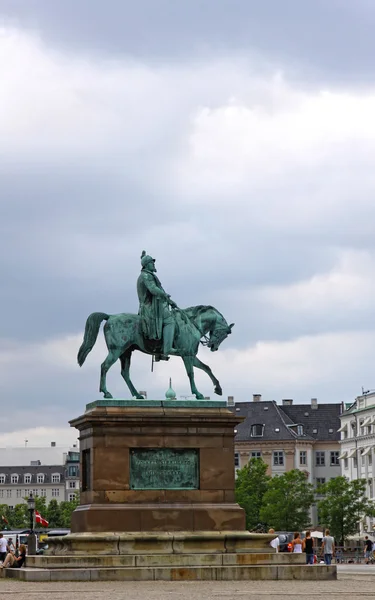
(275, 543)
(297, 543)
(308, 548)
(328, 547)
(368, 550)
(3, 547)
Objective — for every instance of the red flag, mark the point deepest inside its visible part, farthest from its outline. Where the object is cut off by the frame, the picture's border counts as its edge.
(39, 519)
(4, 519)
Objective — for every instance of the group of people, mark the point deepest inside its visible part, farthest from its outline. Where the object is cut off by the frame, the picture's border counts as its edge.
(8, 556)
(306, 545)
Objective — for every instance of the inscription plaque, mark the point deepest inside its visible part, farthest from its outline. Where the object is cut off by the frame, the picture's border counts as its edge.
(164, 469)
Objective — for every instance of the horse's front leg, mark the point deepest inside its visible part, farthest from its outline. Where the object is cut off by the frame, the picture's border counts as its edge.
(198, 363)
(188, 362)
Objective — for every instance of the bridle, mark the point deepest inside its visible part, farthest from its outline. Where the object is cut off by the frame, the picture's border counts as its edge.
(219, 334)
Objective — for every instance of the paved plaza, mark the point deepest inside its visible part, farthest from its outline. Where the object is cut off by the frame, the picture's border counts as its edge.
(353, 584)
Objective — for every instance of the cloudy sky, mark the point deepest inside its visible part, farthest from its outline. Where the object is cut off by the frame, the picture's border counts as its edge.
(234, 140)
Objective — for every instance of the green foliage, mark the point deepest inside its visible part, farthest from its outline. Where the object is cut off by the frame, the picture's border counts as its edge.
(251, 485)
(287, 502)
(343, 506)
(66, 509)
(54, 514)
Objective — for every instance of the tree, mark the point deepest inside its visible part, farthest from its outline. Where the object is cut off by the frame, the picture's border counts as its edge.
(66, 509)
(287, 502)
(18, 517)
(343, 506)
(251, 485)
(54, 514)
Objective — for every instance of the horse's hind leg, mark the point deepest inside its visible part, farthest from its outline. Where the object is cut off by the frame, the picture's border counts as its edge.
(125, 372)
(113, 355)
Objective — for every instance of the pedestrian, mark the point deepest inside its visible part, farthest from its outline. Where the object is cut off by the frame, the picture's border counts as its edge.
(368, 550)
(10, 546)
(275, 543)
(328, 547)
(3, 547)
(14, 562)
(308, 548)
(297, 543)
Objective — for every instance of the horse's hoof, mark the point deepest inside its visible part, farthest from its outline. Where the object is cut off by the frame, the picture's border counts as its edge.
(140, 397)
(199, 396)
(108, 395)
(218, 390)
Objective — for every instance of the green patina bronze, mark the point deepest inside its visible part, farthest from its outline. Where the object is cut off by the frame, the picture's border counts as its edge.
(164, 469)
(160, 329)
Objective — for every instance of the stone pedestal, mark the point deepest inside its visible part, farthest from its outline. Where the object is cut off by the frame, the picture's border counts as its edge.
(190, 443)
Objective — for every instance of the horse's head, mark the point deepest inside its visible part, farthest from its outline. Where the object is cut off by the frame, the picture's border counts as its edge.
(219, 333)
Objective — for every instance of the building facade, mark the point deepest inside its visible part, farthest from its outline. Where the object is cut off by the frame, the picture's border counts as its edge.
(54, 475)
(288, 436)
(357, 442)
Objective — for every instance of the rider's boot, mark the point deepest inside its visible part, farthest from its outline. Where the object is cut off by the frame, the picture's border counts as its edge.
(168, 337)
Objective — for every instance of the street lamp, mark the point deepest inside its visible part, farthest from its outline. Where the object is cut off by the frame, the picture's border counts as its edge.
(31, 539)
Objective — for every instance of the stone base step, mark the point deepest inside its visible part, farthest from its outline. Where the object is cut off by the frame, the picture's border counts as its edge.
(164, 560)
(188, 573)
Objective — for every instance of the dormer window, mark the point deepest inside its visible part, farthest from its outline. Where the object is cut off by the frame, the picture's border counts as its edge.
(14, 478)
(27, 478)
(40, 478)
(299, 429)
(55, 477)
(2, 478)
(257, 430)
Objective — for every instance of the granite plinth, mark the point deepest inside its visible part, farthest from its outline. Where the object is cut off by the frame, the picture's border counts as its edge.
(111, 500)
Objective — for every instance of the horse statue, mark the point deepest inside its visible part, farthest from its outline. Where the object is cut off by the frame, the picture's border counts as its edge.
(124, 333)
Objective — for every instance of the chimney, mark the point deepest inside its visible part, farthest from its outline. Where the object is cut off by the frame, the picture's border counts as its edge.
(287, 401)
(314, 403)
(230, 400)
(53, 444)
(257, 397)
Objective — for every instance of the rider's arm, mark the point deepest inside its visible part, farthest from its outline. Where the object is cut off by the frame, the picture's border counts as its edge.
(150, 284)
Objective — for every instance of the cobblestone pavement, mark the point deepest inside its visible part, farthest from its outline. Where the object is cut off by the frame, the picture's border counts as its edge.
(350, 586)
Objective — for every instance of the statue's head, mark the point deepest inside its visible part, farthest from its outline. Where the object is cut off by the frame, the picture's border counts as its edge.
(147, 261)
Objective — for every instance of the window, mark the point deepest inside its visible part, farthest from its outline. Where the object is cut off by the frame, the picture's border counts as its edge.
(334, 460)
(2, 478)
(346, 463)
(320, 459)
(43, 493)
(9, 493)
(14, 478)
(256, 454)
(320, 481)
(303, 458)
(40, 478)
(72, 484)
(55, 492)
(1, 493)
(315, 430)
(257, 430)
(35, 493)
(355, 462)
(26, 493)
(299, 429)
(71, 497)
(278, 459)
(55, 477)
(74, 456)
(330, 430)
(370, 459)
(27, 478)
(236, 459)
(368, 429)
(363, 460)
(73, 471)
(19, 493)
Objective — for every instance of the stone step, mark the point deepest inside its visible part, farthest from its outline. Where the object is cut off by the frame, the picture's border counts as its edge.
(169, 560)
(220, 573)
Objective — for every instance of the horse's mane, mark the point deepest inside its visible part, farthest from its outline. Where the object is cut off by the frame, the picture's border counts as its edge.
(195, 311)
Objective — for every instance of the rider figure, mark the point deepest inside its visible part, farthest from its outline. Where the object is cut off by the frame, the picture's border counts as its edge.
(158, 322)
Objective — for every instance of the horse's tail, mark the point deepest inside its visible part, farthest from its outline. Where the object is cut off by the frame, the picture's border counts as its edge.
(91, 333)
